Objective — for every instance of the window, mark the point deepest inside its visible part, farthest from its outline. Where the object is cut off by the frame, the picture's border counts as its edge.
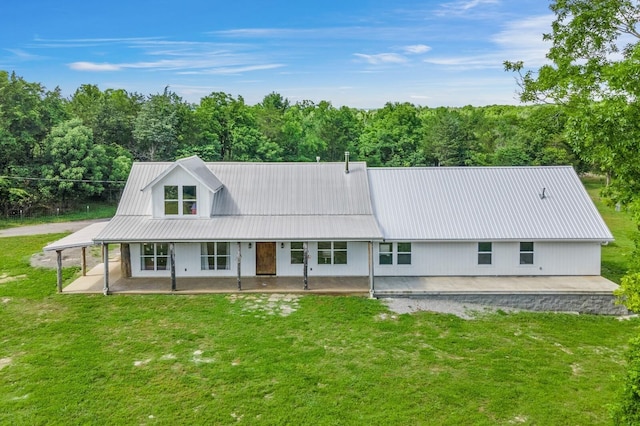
(404, 253)
(154, 256)
(180, 200)
(526, 253)
(485, 251)
(297, 253)
(386, 253)
(215, 256)
(332, 252)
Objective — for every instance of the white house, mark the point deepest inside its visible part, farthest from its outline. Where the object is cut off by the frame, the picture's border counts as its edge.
(194, 219)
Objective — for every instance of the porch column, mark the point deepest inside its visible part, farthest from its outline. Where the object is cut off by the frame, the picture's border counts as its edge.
(125, 260)
(59, 266)
(239, 265)
(371, 287)
(172, 265)
(84, 261)
(105, 259)
(305, 261)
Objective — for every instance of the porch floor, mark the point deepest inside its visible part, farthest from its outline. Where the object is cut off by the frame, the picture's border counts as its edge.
(384, 286)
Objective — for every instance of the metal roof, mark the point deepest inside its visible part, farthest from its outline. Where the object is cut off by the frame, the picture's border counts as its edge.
(81, 238)
(484, 203)
(196, 168)
(269, 201)
(242, 228)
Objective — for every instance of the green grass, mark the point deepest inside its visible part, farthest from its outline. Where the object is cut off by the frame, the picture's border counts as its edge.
(615, 255)
(95, 211)
(223, 359)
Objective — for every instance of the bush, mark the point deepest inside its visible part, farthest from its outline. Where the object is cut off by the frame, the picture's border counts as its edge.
(627, 412)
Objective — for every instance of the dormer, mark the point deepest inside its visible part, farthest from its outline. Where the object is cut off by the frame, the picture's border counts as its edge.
(184, 190)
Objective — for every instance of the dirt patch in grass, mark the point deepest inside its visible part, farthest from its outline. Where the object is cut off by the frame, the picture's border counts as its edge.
(6, 278)
(4, 362)
(263, 305)
(70, 257)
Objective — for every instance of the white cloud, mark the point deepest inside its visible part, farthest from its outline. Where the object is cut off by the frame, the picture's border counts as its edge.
(92, 66)
(416, 49)
(463, 6)
(382, 58)
(519, 40)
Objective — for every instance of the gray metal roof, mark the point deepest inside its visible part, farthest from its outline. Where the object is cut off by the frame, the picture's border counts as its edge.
(81, 238)
(196, 168)
(484, 203)
(269, 201)
(242, 228)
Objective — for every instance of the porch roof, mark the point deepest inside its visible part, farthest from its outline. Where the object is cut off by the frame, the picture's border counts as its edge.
(242, 228)
(82, 238)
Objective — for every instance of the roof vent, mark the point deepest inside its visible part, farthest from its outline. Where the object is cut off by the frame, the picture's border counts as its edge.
(543, 195)
(346, 161)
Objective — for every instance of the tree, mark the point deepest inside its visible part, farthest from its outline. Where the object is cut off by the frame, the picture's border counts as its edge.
(73, 166)
(158, 127)
(593, 75)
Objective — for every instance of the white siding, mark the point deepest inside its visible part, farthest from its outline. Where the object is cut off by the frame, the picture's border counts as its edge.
(461, 258)
(181, 178)
(188, 262)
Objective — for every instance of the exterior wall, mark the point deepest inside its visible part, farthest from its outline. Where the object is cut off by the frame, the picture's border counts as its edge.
(461, 259)
(187, 262)
(181, 178)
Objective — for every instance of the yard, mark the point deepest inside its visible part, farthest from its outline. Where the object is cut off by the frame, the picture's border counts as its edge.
(278, 359)
(226, 359)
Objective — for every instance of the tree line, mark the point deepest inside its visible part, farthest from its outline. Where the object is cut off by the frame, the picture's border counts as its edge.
(57, 150)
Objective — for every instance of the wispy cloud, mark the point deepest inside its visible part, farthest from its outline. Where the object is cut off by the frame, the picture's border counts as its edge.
(94, 67)
(416, 49)
(518, 40)
(382, 58)
(463, 6)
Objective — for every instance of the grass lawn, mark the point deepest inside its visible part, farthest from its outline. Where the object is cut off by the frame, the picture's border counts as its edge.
(249, 359)
(615, 255)
(95, 211)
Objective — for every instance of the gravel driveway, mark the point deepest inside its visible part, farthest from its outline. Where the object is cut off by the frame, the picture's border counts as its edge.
(48, 228)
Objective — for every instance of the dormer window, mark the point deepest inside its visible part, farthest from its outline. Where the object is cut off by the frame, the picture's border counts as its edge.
(180, 200)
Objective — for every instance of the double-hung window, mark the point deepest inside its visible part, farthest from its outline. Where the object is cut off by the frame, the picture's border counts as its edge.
(332, 252)
(485, 253)
(526, 253)
(215, 256)
(154, 256)
(297, 253)
(180, 200)
(402, 253)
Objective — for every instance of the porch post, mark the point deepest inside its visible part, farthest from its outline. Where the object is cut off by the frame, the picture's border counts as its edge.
(59, 266)
(371, 286)
(105, 259)
(239, 265)
(305, 261)
(172, 265)
(84, 261)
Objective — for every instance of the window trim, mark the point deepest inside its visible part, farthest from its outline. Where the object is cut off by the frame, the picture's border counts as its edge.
(299, 252)
(527, 252)
(215, 256)
(181, 201)
(333, 251)
(395, 254)
(155, 256)
(484, 253)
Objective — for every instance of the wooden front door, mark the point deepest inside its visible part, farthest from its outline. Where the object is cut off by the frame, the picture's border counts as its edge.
(265, 258)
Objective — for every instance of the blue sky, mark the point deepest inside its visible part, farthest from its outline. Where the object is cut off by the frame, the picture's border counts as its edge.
(349, 52)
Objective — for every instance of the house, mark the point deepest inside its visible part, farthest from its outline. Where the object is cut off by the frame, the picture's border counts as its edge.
(194, 219)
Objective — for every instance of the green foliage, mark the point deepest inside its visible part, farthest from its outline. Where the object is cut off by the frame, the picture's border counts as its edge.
(627, 411)
(629, 292)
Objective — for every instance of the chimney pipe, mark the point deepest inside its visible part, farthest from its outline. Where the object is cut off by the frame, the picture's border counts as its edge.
(346, 161)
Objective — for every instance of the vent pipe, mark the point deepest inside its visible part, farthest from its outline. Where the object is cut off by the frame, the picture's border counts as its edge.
(346, 161)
